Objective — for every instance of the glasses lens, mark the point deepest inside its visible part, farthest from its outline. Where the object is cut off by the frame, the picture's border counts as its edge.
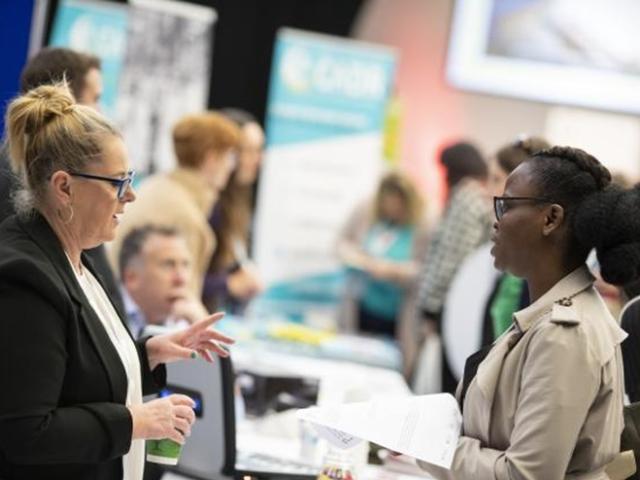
(499, 208)
(123, 188)
(124, 185)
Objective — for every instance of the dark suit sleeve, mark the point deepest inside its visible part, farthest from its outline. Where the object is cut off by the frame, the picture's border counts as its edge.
(152, 380)
(34, 429)
(630, 323)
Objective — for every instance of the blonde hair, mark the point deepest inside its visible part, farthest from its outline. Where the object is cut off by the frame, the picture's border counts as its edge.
(194, 135)
(46, 132)
(397, 183)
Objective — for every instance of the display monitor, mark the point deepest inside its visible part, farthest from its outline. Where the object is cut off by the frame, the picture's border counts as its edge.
(574, 52)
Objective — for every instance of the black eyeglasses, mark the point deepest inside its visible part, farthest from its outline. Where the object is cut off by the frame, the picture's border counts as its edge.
(500, 203)
(122, 184)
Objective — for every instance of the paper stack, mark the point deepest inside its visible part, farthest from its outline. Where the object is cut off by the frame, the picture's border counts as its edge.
(425, 427)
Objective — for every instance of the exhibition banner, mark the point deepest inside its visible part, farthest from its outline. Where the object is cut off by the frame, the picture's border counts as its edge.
(156, 57)
(99, 28)
(325, 118)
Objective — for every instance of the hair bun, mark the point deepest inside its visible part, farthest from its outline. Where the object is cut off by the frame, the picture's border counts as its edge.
(592, 216)
(605, 220)
(620, 264)
(44, 103)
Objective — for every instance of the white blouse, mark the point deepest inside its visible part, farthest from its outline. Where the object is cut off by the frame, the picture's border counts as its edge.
(132, 462)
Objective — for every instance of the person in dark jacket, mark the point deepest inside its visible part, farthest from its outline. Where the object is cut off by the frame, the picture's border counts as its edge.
(72, 376)
(82, 72)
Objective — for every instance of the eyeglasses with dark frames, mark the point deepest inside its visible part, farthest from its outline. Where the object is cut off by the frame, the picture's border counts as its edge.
(500, 203)
(122, 184)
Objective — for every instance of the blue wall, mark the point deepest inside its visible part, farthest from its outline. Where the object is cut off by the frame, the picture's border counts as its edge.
(15, 24)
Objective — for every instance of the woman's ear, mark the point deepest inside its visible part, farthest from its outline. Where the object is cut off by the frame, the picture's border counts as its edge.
(554, 218)
(61, 186)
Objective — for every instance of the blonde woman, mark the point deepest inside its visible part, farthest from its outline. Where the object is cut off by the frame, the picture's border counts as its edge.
(72, 376)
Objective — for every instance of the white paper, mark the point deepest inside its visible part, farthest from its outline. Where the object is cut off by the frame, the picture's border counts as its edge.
(425, 427)
(337, 437)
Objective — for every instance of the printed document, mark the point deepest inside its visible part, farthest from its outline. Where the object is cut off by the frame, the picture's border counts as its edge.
(426, 427)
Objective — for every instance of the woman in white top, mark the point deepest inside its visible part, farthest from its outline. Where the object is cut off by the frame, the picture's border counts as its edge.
(71, 375)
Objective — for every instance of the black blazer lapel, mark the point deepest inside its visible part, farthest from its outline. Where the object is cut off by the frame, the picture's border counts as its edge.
(41, 233)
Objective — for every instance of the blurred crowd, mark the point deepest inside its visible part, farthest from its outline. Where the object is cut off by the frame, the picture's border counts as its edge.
(474, 279)
(183, 248)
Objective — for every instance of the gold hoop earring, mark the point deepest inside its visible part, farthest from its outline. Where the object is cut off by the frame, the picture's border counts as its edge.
(70, 216)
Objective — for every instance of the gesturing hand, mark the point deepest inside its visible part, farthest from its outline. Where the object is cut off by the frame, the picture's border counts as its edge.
(168, 417)
(197, 339)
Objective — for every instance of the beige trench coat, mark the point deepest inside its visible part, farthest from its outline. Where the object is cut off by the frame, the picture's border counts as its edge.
(546, 403)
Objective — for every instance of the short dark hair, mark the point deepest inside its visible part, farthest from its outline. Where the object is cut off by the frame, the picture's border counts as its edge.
(134, 241)
(600, 215)
(462, 160)
(52, 65)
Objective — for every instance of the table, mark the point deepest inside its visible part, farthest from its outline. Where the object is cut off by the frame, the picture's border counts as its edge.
(302, 340)
(339, 381)
(371, 472)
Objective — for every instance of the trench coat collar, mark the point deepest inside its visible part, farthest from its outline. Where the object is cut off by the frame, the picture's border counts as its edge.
(560, 294)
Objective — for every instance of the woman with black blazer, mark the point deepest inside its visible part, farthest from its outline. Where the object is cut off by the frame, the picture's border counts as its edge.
(71, 375)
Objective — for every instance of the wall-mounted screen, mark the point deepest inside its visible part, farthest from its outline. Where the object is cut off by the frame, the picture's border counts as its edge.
(575, 52)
